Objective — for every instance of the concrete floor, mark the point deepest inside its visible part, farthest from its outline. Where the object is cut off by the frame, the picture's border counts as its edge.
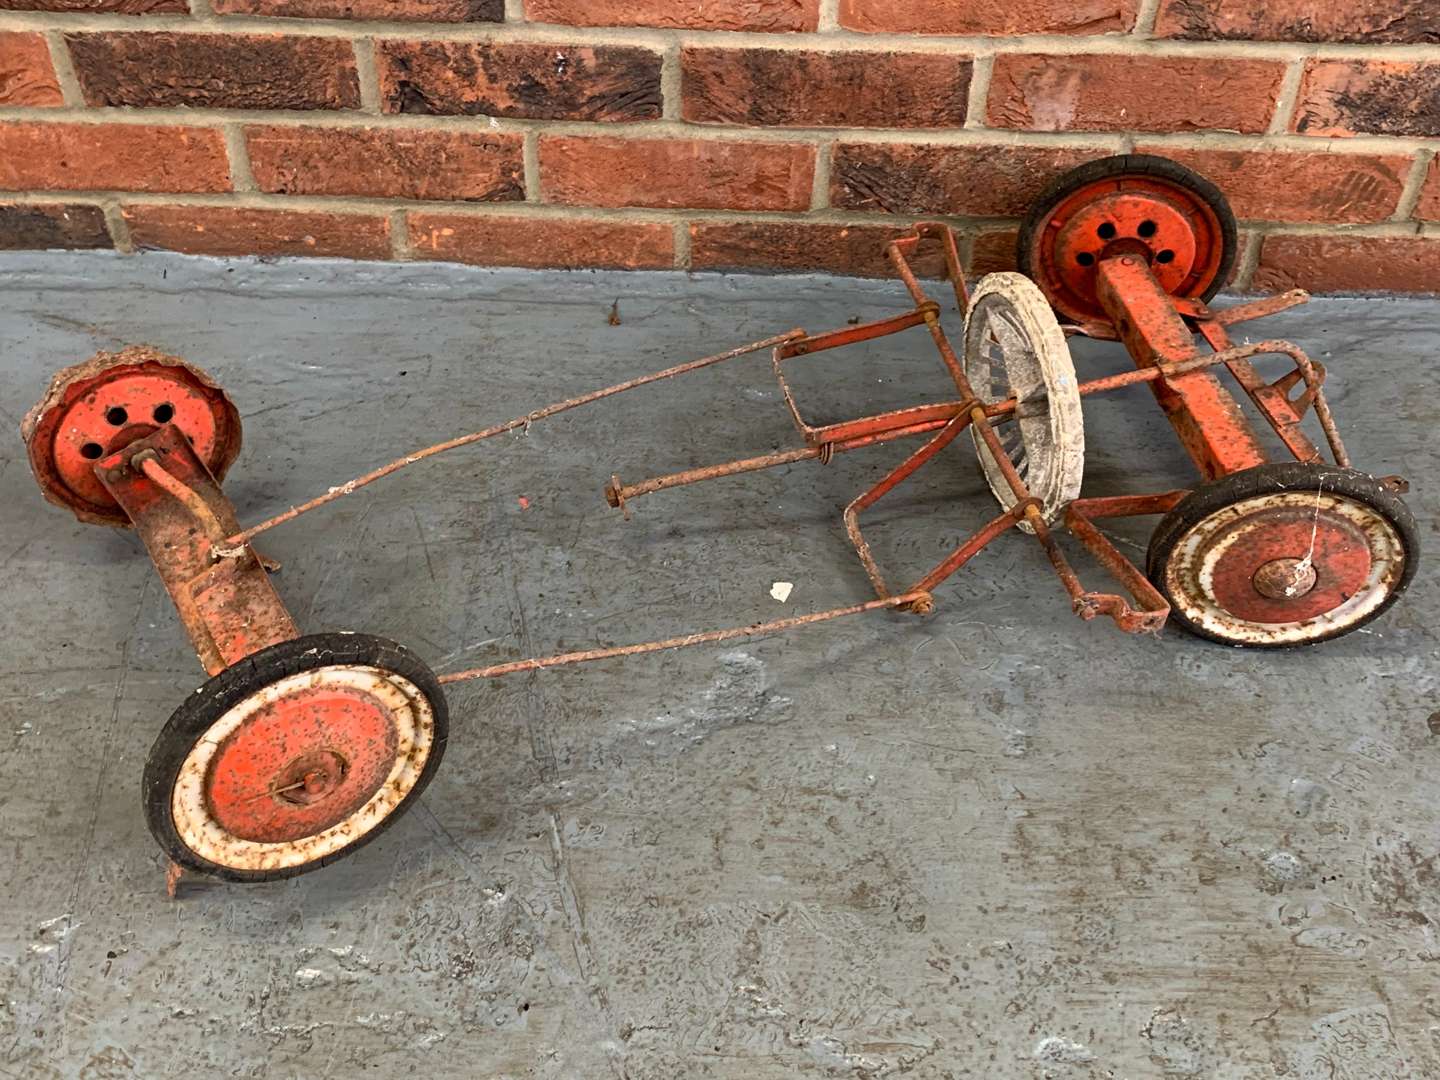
(996, 842)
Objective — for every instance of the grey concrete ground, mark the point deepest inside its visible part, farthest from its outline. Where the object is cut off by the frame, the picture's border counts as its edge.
(996, 842)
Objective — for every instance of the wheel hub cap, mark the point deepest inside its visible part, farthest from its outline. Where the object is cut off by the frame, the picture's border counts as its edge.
(1285, 579)
(301, 764)
(1282, 565)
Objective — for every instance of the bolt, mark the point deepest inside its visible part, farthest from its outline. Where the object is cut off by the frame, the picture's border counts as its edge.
(1284, 579)
(1434, 723)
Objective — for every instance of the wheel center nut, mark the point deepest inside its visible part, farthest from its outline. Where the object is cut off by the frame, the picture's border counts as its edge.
(1284, 579)
(310, 778)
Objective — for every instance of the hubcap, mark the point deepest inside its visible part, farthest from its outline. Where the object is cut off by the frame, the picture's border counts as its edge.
(303, 767)
(1285, 579)
(1285, 568)
(1179, 233)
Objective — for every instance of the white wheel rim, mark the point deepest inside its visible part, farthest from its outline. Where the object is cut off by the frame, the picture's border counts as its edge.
(414, 722)
(1190, 569)
(1014, 347)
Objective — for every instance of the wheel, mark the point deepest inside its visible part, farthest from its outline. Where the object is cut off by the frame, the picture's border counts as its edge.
(295, 757)
(112, 399)
(1180, 217)
(1284, 554)
(1015, 348)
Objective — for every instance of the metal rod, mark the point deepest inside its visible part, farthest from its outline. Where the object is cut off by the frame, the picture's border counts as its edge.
(898, 250)
(561, 659)
(148, 462)
(618, 496)
(1063, 569)
(947, 410)
(972, 547)
(1258, 309)
(1154, 607)
(499, 429)
(998, 454)
(867, 499)
(1111, 506)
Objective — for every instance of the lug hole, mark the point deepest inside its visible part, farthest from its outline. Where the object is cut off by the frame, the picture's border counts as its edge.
(1166, 256)
(91, 450)
(1107, 231)
(164, 413)
(116, 416)
(1085, 259)
(1148, 229)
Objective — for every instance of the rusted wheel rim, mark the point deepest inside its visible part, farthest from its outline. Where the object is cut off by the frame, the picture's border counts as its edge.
(1180, 230)
(1015, 348)
(112, 399)
(1285, 568)
(303, 768)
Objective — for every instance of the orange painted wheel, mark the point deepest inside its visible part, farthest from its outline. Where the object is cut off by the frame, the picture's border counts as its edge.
(112, 399)
(295, 757)
(1133, 202)
(1288, 553)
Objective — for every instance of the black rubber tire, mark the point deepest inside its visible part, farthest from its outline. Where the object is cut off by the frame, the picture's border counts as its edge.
(222, 692)
(1272, 479)
(1140, 165)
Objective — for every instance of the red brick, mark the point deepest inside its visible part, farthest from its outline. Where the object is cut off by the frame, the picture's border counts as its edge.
(989, 17)
(542, 241)
(1429, 208)
(235, 230)
(993, 252)
(387, 10)
(754, 15)
(802, 246)
(774, 87)
(695, 173)
(395, 162)
(107, 7)
(1344, 97)
(992, 181)
(1349, 264)
(1278, 186)
(1373, 23)
(218, 71)
(52, 225)
(533, 82)
(26, 75)
(111, 157)
(1099, 93)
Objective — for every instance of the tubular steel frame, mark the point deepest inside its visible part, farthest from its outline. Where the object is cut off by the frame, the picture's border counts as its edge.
(230, 609)
(224, 597)
(1157, 330)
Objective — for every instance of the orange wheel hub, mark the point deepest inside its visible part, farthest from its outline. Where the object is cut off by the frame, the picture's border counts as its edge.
(1283, 566)
(95, 408)
(1180, 232)
(304, 762)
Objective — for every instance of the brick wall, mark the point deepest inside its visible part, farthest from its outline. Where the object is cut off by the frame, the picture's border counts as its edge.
(775, 134)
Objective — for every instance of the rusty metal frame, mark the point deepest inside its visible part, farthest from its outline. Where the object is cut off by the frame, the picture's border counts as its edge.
(230, 609)
(943, 422)
(222, 591)
(1158, 331)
